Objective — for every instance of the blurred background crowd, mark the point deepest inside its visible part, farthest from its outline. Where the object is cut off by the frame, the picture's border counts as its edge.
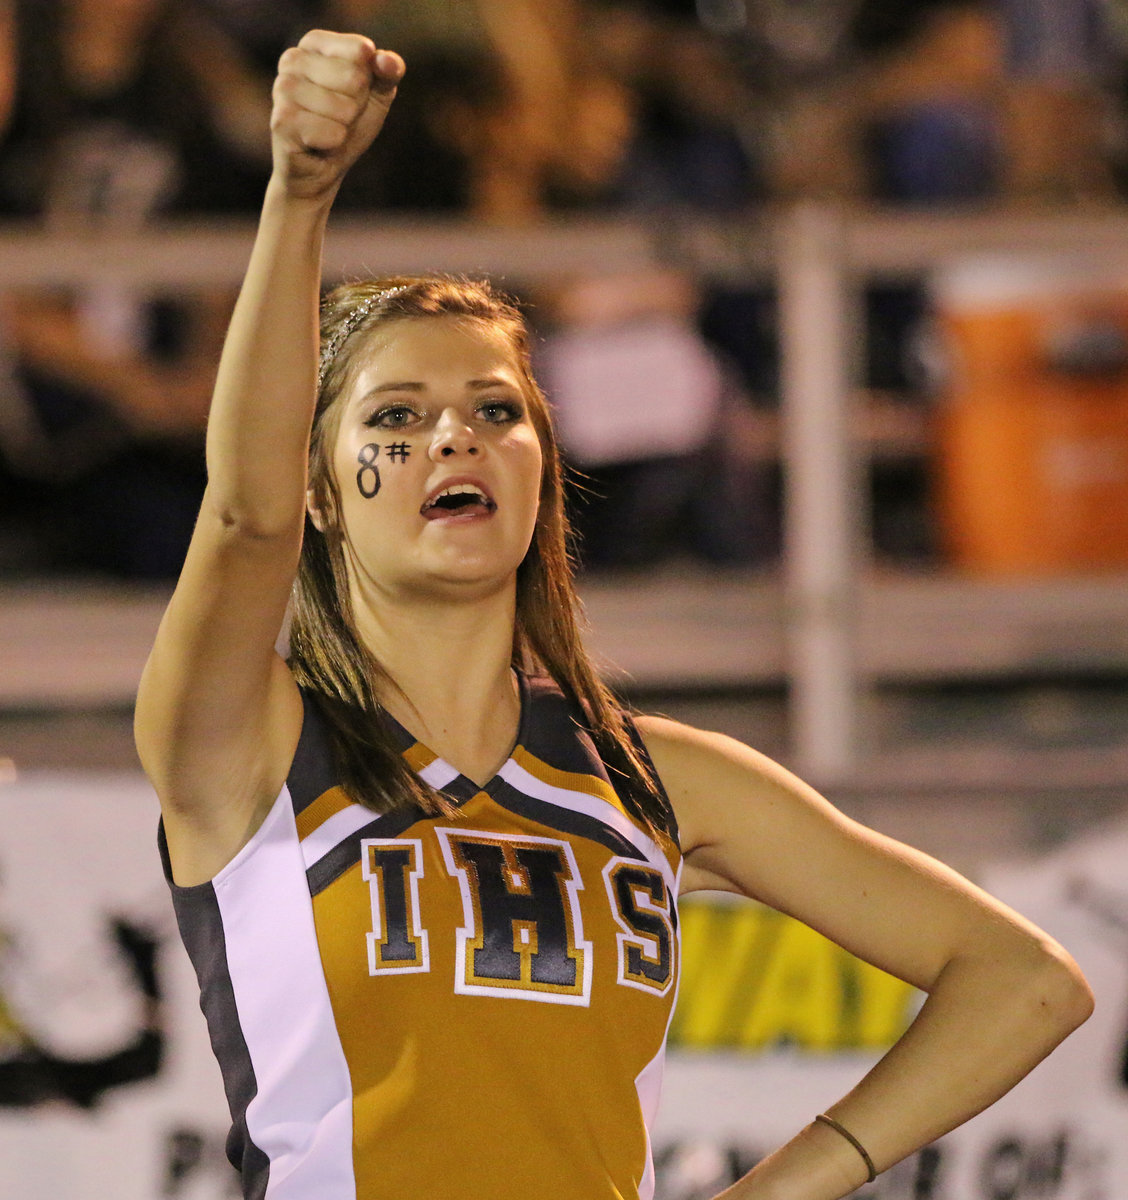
(117, 114)
(982, 719)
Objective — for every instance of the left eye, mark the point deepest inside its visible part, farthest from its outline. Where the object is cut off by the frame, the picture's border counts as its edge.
(497, 412)
(395, 416)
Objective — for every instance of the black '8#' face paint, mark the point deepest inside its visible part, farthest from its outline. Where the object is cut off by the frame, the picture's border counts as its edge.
(368, 477)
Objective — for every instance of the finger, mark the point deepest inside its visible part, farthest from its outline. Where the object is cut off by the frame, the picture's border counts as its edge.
(343, 75)
(388, 70)
(305, 131)
(351, 46)
(302, 95)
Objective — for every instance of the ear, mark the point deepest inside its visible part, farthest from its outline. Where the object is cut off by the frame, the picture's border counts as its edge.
(315, 513)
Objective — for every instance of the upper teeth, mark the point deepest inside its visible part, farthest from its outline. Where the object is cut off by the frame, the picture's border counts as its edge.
(461, 489)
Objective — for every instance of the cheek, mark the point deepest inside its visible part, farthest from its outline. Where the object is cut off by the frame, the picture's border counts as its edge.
(528, 459)
(529, 474)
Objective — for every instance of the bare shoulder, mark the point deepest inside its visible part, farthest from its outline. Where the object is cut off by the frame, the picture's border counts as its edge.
(708, 774)
(750, 826)
(683, 754)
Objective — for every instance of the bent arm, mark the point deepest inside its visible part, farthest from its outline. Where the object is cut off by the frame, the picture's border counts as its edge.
(217, 712)
(1001, 993)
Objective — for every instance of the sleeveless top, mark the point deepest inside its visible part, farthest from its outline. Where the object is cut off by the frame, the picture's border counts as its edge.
(418, 1005)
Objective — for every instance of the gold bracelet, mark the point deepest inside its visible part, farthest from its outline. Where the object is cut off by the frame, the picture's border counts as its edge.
(853, 1142)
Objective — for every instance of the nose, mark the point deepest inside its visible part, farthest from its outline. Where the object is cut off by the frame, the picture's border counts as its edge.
(452, 436)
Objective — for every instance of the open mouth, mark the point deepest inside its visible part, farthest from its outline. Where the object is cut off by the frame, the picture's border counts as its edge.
(460, 499)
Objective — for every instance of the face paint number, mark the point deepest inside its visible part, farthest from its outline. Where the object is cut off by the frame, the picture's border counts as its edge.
(368, 477)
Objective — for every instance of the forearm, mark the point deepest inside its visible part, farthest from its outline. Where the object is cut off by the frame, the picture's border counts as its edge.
(330, 99)
(7, 61)
(985, 1024)
(258, 430)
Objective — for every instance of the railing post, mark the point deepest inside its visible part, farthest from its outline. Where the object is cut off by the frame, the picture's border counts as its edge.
(822, 508)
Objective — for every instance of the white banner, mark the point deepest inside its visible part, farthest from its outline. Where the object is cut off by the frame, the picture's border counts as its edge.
(108, 1090)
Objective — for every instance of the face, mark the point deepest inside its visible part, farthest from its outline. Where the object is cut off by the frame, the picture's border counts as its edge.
(436, 461)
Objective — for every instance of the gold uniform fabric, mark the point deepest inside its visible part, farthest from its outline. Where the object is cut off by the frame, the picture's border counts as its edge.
(472, 1085)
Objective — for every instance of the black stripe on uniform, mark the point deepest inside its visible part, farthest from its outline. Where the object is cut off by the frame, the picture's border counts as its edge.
(312, 772)
(201, 928)
(346, 853)
(644, 754)
(565, 820)
(553, 731)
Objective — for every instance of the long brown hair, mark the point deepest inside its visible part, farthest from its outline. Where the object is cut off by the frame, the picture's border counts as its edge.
(327, 657)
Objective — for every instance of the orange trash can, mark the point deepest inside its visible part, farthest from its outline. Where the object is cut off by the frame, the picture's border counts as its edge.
(1032, 431)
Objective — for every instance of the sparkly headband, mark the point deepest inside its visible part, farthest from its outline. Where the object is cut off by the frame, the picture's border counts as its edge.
(348, 325)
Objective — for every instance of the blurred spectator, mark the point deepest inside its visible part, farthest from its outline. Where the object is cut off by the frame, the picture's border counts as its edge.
(127, 108)
(650, 415)
(692, 139)
(932, 119)
(509, 61)
(956, 101)
(653, 424)
(915, 119)
(1060, 58)
(264, 28)
(123, 110)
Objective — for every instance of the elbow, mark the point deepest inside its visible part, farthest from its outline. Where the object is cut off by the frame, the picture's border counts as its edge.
(1061, 992)
(255, 523)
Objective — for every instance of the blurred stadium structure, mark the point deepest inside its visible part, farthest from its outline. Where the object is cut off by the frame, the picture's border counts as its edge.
(981, 718)
(837, 634)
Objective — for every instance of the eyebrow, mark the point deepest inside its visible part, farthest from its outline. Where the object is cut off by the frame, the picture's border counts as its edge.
(477, 385)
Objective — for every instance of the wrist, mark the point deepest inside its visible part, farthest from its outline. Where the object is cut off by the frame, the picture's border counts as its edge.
(283, 198)
(817, 1164)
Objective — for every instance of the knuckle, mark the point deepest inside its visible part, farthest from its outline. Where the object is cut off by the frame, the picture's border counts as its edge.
(283, 114)
(354, 44)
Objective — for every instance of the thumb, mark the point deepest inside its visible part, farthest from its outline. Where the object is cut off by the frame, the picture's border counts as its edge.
(387, 70)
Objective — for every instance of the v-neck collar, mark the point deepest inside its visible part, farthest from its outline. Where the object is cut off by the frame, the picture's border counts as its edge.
(454, 784)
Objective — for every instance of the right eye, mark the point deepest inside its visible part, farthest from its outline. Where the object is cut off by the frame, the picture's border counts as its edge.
(395, 416)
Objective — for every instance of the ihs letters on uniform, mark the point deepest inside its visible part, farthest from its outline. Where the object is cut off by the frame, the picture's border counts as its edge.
(522, 931)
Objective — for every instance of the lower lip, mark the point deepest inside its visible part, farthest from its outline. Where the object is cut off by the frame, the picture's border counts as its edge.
(478, 513)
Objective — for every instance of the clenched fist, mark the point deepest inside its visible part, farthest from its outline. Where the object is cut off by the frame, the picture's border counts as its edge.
(331, 96)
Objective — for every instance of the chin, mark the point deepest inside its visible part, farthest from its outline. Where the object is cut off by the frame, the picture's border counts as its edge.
(464, 577)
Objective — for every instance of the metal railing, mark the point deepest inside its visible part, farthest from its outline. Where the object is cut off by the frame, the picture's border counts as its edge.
(819, 257)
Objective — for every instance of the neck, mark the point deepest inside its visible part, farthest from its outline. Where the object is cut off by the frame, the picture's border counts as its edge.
(450, 664)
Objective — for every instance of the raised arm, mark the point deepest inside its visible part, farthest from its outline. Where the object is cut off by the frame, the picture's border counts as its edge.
(7, 61)
(1001, 993)
(217, 712)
